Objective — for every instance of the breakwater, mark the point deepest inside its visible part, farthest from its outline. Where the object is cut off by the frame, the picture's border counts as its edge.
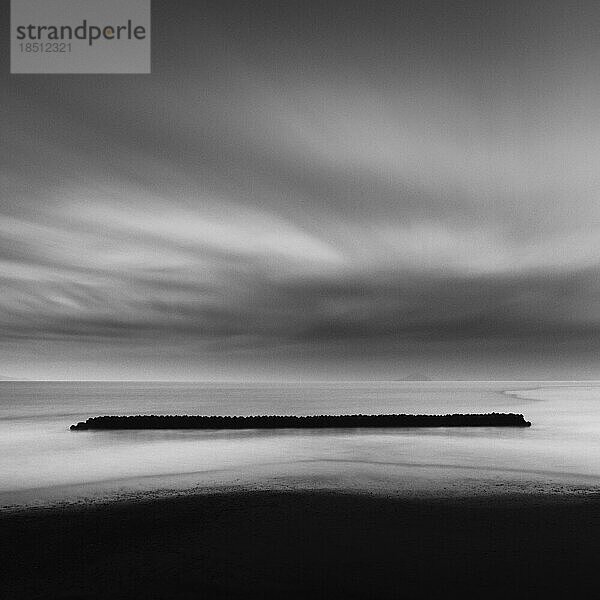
(304, 422)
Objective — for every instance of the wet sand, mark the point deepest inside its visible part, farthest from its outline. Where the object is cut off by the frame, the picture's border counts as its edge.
(304, 545)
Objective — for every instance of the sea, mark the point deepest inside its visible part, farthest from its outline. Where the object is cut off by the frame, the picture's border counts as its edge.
(43, 463)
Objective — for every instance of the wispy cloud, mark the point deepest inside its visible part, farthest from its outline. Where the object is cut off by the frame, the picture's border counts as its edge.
(381, 180)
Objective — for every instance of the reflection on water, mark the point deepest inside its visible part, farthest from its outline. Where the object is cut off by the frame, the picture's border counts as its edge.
(38, 451)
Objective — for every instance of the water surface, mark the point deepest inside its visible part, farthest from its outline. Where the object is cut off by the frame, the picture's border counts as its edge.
(42, 461)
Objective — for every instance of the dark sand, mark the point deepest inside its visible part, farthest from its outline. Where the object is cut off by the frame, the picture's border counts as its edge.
(304, 545)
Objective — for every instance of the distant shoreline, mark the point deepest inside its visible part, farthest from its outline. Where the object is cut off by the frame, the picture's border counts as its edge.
(300, 422)
(299, 381)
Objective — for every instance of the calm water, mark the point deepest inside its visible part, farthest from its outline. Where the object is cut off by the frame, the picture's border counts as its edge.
(42, 461)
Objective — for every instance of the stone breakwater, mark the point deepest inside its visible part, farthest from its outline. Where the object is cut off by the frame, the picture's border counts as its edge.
(304, 422)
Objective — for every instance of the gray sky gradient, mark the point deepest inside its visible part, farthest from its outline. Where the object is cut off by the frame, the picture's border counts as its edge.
(314, 190)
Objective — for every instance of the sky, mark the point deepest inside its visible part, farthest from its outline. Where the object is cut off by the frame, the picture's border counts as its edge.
(311, 190)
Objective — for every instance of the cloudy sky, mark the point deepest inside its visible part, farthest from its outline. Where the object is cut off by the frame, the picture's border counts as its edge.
(304, 189)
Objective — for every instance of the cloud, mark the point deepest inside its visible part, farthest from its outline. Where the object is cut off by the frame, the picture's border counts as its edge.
(325, 183)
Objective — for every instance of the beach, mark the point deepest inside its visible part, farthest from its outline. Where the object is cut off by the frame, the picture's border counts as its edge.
(304, 544)
(351, 513)
(300, 300)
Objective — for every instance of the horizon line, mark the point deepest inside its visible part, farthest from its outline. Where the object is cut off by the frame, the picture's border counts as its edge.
(294, 381)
